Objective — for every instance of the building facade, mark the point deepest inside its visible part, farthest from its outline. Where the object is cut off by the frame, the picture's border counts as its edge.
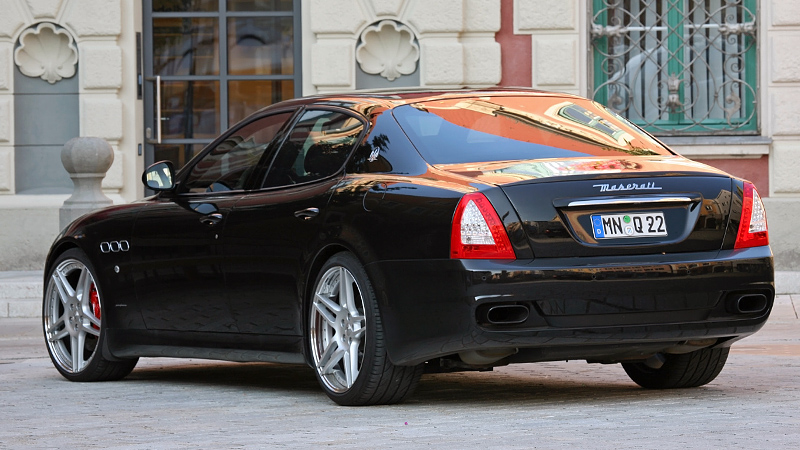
(717, 80)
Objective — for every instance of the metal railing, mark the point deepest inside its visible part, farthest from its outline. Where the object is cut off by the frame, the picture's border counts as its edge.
(677, 66)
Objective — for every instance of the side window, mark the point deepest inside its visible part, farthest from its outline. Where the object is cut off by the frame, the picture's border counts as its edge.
(316, 147)
(231, 162)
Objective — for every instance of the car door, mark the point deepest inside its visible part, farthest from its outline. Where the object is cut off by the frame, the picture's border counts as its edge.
(179, 279)
(271, 234)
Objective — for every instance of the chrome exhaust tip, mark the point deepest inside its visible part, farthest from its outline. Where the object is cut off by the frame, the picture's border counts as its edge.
(748, 304)
(507, 314)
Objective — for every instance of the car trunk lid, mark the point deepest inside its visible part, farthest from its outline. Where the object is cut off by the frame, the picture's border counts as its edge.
(604, 207)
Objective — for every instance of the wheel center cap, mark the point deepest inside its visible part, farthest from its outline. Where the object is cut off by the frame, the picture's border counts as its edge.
(348, 327)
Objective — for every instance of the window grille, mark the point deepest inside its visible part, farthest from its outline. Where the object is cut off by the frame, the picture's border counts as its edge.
(677, 66)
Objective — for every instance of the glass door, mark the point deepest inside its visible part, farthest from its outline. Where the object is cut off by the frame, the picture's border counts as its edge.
(210, 63)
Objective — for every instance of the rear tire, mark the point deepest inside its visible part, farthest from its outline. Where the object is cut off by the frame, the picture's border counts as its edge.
(680, 371)
(346, 339)
(72, 318)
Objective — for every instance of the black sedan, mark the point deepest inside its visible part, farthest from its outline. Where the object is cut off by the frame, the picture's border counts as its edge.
(375, 237)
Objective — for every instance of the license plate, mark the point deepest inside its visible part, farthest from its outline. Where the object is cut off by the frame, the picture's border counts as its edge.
(606, 226)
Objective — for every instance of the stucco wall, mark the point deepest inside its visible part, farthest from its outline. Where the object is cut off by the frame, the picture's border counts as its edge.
(457, 47)
(558, 44)
(780, 70)
(96, 26)
(104, 33)
(455, 38)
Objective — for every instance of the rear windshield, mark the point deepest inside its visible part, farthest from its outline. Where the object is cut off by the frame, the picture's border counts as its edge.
(506, 128)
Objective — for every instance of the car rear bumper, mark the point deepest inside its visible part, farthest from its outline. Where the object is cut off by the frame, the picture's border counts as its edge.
(602, 309)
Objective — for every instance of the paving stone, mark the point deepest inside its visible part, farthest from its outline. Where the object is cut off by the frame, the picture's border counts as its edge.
(185, 404)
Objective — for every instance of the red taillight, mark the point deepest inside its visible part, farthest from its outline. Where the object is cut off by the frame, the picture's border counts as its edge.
(753, 224)
(478, 232)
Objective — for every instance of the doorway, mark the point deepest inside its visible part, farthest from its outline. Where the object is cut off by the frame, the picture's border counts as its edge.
(210, 63)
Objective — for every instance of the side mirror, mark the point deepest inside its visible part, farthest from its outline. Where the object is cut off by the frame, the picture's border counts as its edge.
(158, 176)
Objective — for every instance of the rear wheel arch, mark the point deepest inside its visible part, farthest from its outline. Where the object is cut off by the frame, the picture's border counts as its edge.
(365, 257)
(339, 318)
(357, 245)
(319, 260)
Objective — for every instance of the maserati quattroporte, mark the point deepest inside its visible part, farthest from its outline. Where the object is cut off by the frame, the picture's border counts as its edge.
(379, 236)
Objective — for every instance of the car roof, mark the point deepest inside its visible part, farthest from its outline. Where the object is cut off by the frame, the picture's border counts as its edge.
(363, 100)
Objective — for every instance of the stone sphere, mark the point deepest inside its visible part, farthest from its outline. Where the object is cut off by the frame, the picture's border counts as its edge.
(87, 155)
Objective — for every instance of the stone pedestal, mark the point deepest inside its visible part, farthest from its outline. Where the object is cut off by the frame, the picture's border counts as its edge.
(86, 159)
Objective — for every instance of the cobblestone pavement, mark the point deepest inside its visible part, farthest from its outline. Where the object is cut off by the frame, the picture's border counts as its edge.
(175, 404)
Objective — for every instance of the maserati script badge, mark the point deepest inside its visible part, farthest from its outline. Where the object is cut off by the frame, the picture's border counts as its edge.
(649, 186)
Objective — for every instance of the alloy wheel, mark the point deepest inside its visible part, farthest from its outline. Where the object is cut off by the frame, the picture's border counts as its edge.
(72, 315)
(338, 329)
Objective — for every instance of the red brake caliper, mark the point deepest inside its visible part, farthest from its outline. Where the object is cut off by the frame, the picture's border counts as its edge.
(94, 300)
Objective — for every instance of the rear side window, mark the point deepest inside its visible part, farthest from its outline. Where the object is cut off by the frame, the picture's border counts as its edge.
(467, 130)
(317, 147)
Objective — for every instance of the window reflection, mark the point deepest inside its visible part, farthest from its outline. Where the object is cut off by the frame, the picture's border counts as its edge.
(228, 165)
(179, 154)
(159, 176)
(260, 46)
(185, 46)
(519, 128)
(317, 147)
(247, 97)
(190, 109)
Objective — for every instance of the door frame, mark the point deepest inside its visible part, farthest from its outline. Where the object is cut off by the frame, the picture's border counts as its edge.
(149, 78)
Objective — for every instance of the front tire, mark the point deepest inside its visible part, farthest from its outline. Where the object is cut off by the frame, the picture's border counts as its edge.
(346, 339)
(680, 371)
(72, 318)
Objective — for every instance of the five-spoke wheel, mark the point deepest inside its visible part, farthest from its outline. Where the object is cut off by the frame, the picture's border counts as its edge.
(346, 339)
(72, 318)
(338, 329)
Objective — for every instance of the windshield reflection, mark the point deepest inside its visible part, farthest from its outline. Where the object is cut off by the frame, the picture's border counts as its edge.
(520, 128)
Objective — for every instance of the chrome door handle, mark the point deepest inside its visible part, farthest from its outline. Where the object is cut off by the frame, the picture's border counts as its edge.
(211, 219)
(307, 214)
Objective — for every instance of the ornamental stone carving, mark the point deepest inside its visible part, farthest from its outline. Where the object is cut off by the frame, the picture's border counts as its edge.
(389, 49)
(46, 51)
